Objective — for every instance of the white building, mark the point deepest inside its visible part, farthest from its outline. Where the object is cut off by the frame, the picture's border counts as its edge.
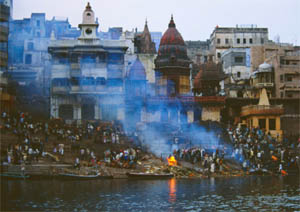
(87, 75)
(223, 38)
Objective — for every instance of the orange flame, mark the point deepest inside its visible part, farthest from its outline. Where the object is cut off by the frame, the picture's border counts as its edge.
(172, 161)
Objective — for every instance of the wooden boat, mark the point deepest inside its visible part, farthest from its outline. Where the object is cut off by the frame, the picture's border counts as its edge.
(69, 176)
(142, 175)
(260, 172)
(14, 176)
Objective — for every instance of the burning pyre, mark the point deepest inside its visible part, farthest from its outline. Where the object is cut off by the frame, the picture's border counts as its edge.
(172, 161)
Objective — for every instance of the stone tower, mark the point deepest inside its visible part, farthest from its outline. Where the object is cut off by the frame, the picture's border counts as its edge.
(172, 64)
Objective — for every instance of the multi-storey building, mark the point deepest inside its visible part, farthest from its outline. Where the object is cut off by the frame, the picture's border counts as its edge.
(198, 51)
(6, 99)
(4, 28)
(274, 68)
(223, 38)
(87, 75)
(285, 61)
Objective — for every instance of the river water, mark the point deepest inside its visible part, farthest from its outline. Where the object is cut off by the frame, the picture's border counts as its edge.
(251, 193)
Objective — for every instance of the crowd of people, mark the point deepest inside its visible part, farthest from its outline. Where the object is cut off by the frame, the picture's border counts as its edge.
(33, 136)
(254, 149)
(257, 149)
(126, 158)
(211, 161)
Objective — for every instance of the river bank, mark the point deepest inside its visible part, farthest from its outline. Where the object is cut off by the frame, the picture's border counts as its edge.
(153, 165)
(56, 148)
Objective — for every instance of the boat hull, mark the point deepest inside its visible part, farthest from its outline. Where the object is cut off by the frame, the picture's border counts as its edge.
(14, 176)
(81, 177)
(149, 176)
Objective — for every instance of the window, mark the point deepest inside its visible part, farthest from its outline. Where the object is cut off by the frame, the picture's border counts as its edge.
(87, 81)
(250, 41)
(281, 94)
(238, 74)
(238, 40)
(281, 78)
(100, 81)
(75, 81)
(289, 78)
(3, 46)
(88, 111)
(238, 59)
(88, 31)
(226, 41)
(219, 55)
(288, 94)
(63, 60)
(30, 46)
(262, 41)
(38, 23)
(272, 124)
(218, 41)
(65, 111)
(262, 123)
(244, 40)
(267, 78)
(28, 59)
(116, 58)
(60, 82)
(88, 59)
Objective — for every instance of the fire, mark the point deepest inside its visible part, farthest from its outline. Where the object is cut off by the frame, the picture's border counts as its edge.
(172, 161)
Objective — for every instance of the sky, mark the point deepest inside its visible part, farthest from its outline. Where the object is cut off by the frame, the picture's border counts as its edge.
(195, 19)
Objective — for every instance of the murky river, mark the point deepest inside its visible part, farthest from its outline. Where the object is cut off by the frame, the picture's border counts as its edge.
(215, 194)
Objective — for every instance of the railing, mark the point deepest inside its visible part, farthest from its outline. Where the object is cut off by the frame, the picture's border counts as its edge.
(4, 16)
(75, 66)
(203, 99)
(264, 84)
(60, 89)
(289, 66)
(79, 89)
(262, 109)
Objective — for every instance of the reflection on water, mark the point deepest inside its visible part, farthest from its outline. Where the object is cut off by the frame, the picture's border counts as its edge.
(225, 194)
(172, 192)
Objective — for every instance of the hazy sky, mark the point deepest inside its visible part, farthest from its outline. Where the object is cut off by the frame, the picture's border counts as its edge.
(195, 19)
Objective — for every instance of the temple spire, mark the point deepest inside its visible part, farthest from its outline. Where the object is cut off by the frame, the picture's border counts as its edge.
(172, 23)
(88, 6)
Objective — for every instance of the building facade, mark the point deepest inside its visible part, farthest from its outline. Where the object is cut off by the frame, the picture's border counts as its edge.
(223, 38)
(6, 93)
(87, 75)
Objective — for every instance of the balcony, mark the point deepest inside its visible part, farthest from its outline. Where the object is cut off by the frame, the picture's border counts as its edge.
(75, 88)
(75, 66)
(251, 110)
(75, 73)
(87, 88)
(4, 16)
(60, 89)
(264, 85)
(100, 88)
